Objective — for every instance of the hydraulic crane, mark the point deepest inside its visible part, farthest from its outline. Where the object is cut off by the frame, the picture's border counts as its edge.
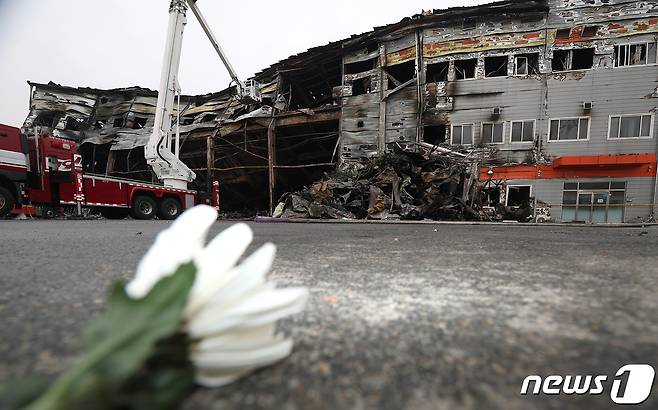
(158, 151)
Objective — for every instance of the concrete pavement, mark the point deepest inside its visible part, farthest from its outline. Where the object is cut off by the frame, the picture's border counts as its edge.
(400, 316)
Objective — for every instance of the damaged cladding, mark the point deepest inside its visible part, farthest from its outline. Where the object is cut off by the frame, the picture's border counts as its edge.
(536, 94)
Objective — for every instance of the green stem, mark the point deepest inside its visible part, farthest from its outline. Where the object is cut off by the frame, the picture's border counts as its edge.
(166, 299)
(56, 396)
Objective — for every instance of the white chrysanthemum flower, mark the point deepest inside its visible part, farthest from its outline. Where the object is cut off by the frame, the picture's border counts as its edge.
(231, 310)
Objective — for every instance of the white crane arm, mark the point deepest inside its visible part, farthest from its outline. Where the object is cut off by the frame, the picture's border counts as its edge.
(158, 151)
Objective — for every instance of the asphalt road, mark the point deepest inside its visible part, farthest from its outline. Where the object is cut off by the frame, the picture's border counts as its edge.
(400, 316)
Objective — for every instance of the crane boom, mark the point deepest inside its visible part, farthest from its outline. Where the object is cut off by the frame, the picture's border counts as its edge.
(158, 151)
(167, 166)
(248, 91)
(213, 41)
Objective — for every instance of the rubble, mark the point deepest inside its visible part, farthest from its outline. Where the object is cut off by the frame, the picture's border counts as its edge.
(429, 183)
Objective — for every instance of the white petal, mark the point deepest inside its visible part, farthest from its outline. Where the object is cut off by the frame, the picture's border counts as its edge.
(219, 378)
(173, 247)
(238, 339)
(295, 306)
(215, 260)
(225, 289)
(264, 307)
(247, 359)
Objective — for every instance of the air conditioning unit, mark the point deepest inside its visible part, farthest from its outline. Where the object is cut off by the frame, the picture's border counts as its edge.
(497, 110)
(588, 105)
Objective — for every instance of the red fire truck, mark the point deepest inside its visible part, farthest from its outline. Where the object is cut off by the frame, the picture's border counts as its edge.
(46, 172)
(13, 168)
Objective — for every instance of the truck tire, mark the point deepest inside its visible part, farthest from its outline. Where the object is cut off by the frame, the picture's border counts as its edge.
(169, 209)
(144, 207)
(114, 213)
(7, 202)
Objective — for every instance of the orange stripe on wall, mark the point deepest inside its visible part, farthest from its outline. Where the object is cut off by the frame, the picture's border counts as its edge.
(600, 166)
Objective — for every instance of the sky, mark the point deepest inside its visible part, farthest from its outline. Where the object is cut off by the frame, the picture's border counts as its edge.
(119, 43)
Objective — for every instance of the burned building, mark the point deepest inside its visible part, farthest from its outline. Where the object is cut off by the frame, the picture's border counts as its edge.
(554, 100)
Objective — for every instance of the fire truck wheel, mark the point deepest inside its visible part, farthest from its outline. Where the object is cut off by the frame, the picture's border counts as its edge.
(6, 202)
(170, 209)
(144, 207)
(114, 213)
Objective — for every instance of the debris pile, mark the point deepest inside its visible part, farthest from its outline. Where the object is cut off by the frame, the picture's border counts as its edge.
(433, 183)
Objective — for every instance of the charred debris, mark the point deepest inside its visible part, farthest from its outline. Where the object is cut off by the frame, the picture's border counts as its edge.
(427, 183)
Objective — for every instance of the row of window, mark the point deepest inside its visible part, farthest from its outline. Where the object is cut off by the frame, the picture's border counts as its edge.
(634, 54)
(561, 129)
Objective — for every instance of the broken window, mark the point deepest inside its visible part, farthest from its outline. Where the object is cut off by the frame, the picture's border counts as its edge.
(521, 66)
(438, 72)
(635, 54)
(563, 34)
(462, 134)
(576, 59)
(519, 195)
(73, 124)
(361, 66)
(47, 119)
(361, 86)
(561, 60)
(493, 133)
(400, 74)
(526, 64)
(523, 131)
(569, 129)
(631, 126)
(465, 69)
(582, 59)
(311, 84)
(589, 31)
(495, 66)
(434, 134)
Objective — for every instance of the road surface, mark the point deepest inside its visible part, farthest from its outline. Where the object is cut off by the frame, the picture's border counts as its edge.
(400, 316)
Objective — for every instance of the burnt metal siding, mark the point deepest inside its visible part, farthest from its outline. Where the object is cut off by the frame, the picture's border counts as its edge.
(402, 115)
(572, 11)
(613, 91)
(360, 126)
(519, 97)
(639, 195)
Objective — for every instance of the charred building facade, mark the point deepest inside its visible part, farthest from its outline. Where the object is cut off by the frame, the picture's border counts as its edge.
(554, 100)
